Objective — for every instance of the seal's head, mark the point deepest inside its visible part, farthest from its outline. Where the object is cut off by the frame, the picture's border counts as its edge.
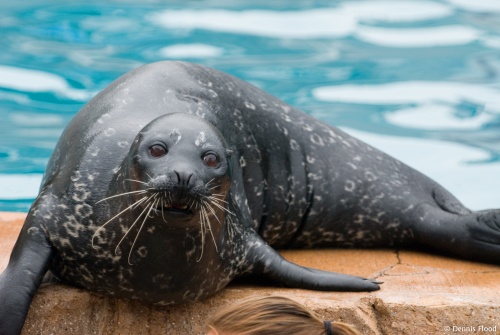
(181, 162)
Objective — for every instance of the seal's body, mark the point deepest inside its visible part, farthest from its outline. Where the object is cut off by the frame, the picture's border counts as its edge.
(177, 178)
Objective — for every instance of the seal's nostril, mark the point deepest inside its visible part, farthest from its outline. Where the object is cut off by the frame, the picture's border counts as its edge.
(184, 179)
(173, 180)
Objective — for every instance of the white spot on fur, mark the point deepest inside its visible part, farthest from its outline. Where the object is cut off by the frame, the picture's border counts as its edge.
(200, 139)
(243, 163)
(109, 132)
(249, 105)
(83, 210)
(353, 166)
(142, 251)
(316, 139)
(175, 135)
(349, 186)
(286, 117)
(307, 127)
(310, 159)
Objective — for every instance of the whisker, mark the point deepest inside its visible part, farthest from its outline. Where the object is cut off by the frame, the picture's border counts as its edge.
(204, 227)
(209, 182)
(132, 226)
(220, 206)
(137, 181)
(155, 198)
(191, 204)
(217, 199)
(202, 237)
(121, 194)
(213, 239)
(153, 204)
(218, 195)
(209, 225)
(138, 202)
(150, 178)
(137, 205)
(207, 205)
(163, 210)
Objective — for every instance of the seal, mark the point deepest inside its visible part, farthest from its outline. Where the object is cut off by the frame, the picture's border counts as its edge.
(177, 178)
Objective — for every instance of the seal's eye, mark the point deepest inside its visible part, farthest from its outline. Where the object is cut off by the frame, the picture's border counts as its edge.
(157, 150)
(211, 160)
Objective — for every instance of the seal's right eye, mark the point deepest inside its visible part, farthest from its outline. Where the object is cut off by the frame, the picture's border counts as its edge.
(157, 150)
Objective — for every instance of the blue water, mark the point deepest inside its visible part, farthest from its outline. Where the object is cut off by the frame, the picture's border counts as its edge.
(417, 79)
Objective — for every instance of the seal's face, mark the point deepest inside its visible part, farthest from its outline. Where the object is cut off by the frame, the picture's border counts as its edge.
(181, 163)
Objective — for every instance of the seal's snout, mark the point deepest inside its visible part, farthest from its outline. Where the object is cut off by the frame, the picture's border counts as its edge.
(185, 179)
(179, 190)
(178, 181)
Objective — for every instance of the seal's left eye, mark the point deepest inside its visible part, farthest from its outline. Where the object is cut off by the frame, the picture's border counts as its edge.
(211, 160)
(157, 150)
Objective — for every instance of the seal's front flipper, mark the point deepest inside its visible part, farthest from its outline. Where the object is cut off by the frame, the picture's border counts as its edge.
(263, 259)
(294, 275)
(18, 283)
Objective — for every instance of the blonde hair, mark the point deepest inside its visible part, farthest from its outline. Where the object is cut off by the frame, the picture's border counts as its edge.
(272, 315)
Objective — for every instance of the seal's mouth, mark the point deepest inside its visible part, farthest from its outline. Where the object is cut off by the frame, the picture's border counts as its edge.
(175, 208)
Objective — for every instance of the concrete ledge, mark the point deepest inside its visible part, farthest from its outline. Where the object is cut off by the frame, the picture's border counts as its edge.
(421, 294)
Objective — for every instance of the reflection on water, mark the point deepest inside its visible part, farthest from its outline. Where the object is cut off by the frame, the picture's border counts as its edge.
(417, 79)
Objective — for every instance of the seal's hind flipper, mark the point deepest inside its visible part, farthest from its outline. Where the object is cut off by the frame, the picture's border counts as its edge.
(18, 283)
(474, 235)
(263, 259)
(484, 230)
